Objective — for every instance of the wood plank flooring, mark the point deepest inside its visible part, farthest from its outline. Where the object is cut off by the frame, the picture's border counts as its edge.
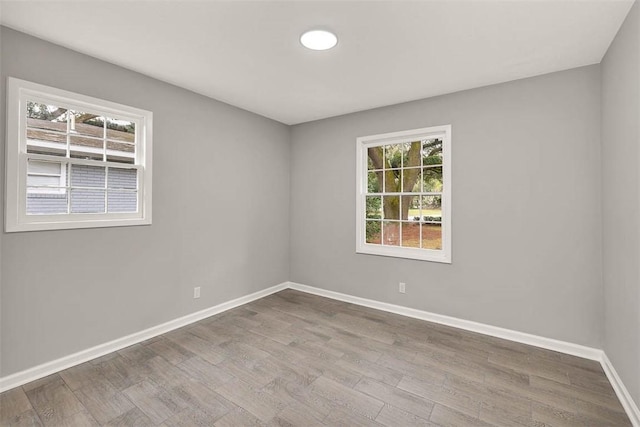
(294, 359)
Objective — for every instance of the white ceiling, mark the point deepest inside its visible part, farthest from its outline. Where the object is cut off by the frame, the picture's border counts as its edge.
(248, 54)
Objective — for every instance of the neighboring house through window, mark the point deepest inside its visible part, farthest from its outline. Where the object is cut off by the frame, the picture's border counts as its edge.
(46, 178)
(404, 194)
(74, 161)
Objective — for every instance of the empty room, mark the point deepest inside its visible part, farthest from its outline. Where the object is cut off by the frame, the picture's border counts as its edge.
(339, 213)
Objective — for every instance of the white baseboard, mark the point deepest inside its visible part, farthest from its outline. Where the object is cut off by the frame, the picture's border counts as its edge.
(468, 325)
(40, 371)
(623, 394)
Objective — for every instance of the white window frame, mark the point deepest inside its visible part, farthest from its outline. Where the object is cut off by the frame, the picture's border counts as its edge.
(16, 218)
(362, 144)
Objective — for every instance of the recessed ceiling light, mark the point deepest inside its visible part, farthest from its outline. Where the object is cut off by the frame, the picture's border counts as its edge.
(318, 40)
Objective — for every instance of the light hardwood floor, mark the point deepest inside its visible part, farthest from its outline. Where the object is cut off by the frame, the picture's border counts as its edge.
(297, 359)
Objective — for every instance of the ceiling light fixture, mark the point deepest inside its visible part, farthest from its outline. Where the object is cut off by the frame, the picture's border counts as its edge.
(318, 40)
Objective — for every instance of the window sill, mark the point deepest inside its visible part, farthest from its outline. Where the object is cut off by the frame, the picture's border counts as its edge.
(73, 224)
(406, 253)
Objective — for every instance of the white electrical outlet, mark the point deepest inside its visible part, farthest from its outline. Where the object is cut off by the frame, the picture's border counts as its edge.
(196, 292)
(401, 288)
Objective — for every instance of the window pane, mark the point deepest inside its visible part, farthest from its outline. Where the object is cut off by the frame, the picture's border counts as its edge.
(83, 147)
(85, 155)
(432, 208)
(432, 179)
(46, 142)
(393, 156)
(410, 208)
(392, 180)
(78, 141)
(411, 234)
(41, 201)
(391, 233)
(432, 222)
(122, 201)
(45, 168)
(432, 151)
(121, 130)
(87, 176)
(50, 177)
(391, 207)
(86, 124)
(405, 154)
(374, 207)
(44, 135)
(43, 181)
(373, 182)
(431, 236)
(411, 154)
(375, 158)
(46, 116)
(87, 201)
(374, 232)
(123, 178)
(411, 180)
(120, 152)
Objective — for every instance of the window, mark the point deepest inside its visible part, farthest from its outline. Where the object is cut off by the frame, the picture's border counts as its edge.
(74, 161)
(404, 194)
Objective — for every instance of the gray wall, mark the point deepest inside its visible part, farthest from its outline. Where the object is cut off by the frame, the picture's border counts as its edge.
(621, 201)
(64, 291)
(526, 207)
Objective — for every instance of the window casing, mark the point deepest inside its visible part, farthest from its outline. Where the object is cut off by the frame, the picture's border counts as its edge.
(403, 200)
(74, 161)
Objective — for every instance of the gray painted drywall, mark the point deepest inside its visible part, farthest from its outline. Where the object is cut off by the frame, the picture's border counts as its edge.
(621, 201)
(64, 291)
(526, 207)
